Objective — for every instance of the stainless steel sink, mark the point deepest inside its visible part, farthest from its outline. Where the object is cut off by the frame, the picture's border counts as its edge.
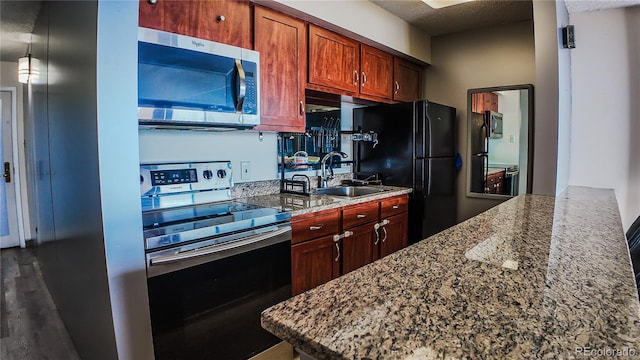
(349, 191)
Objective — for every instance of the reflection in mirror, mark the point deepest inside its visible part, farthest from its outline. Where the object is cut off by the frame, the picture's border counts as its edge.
(499, 127)
(303, 151)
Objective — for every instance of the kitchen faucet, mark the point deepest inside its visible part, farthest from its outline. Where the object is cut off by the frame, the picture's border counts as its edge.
(323, 181)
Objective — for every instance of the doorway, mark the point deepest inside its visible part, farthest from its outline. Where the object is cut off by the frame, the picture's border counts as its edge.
(11, 229)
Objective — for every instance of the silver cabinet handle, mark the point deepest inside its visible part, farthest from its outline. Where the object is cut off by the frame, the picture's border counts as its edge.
(397, 86)
(301, 108)
(364, 78)
(221, 18)
(375, 228)
(243, 86)
(356, 77)
(316, 227)
(336, 239)
(396, 206)
(384, 238)
(361, 216)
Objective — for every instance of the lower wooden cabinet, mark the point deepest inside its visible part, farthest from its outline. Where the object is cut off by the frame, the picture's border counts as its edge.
(313, 263)
(394, 234)
(360, 248)
(329, 243)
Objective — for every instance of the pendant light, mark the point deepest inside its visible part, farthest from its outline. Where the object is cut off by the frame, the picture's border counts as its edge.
(28, 69)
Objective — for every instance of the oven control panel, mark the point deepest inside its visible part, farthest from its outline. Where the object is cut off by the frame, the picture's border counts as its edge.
(176, 178)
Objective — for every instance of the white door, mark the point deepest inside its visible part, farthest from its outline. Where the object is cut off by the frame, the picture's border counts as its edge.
(9, 222)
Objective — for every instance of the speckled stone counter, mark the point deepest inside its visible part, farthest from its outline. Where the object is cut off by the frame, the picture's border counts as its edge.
(534, 277)
(300, 204)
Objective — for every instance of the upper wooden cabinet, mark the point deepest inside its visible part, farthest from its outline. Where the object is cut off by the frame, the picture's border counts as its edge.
(224, 21)
(334, 60)
(481, 102)
(376, 72)
(282, 43)
(407, 84)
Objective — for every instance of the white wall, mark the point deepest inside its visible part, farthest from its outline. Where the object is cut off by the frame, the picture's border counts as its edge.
(606, 108)
(505, 150)
(236, 146)
(564, 102)
(9, 78)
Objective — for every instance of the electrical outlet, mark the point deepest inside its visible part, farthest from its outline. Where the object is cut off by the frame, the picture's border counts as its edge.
(245, 170)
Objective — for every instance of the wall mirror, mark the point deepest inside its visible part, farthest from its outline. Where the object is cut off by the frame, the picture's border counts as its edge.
(499, 141)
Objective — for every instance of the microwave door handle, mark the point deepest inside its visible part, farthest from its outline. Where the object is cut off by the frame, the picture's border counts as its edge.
(243, 86)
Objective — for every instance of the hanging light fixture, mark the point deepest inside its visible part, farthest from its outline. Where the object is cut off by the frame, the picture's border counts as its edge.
(28, 69)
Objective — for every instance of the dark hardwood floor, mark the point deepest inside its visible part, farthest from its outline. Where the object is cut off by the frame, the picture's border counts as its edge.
(30, 326)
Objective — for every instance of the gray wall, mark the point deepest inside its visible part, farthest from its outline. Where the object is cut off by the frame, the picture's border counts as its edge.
(84, 134)
(496, 56)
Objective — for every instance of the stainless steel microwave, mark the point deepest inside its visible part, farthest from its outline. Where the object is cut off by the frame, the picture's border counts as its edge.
(185, 81)
(495, 124)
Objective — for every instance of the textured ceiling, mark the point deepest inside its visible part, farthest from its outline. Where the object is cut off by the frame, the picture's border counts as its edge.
(465, 16)
(16, 24)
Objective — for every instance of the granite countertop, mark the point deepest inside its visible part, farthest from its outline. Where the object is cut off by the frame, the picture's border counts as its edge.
(534, 277)
(300, 204)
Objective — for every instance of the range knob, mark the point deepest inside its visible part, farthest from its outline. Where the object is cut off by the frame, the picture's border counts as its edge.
(222, 173)
(207, 174)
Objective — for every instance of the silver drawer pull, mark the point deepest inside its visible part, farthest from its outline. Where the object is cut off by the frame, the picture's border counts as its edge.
(361, 216)
(396, 206)
(316, 227)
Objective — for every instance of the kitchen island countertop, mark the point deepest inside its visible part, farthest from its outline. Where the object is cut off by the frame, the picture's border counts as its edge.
(534, 277)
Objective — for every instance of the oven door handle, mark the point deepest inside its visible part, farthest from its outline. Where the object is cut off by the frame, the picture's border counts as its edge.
(208, 250)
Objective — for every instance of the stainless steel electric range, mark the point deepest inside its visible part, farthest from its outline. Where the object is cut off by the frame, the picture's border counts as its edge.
(213, 264)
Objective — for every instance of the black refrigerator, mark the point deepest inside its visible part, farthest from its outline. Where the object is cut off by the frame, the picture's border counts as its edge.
(479, 161)
(416, 147)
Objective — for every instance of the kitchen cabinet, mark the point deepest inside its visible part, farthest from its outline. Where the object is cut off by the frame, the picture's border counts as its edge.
(333, 242)
(334, 60)
(224, 21)
(495, 183)
(481, 102)
(376, 72)
(407, 80)
(313, 263)
(282, 43)
(394, 220)
(360, 247)
(315, 256)
(338, 64)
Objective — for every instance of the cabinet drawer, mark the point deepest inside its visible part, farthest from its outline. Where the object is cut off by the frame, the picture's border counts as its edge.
(393, 206)
(359, 214)
(311, 226)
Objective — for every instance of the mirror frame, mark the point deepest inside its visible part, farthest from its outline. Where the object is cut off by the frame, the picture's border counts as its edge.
(530, 138)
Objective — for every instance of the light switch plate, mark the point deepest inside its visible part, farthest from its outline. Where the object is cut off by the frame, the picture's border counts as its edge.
(245, 170)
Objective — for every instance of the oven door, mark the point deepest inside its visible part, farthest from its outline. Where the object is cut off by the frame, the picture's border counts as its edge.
(208, 305)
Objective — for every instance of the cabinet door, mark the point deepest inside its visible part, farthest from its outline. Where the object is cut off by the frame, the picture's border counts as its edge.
(224, 21)
(282, 43)
(313, 263)
(407, 85)
(334, 60)
(376, 72)
(490, 102)
(359, 249)
(394, 235)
